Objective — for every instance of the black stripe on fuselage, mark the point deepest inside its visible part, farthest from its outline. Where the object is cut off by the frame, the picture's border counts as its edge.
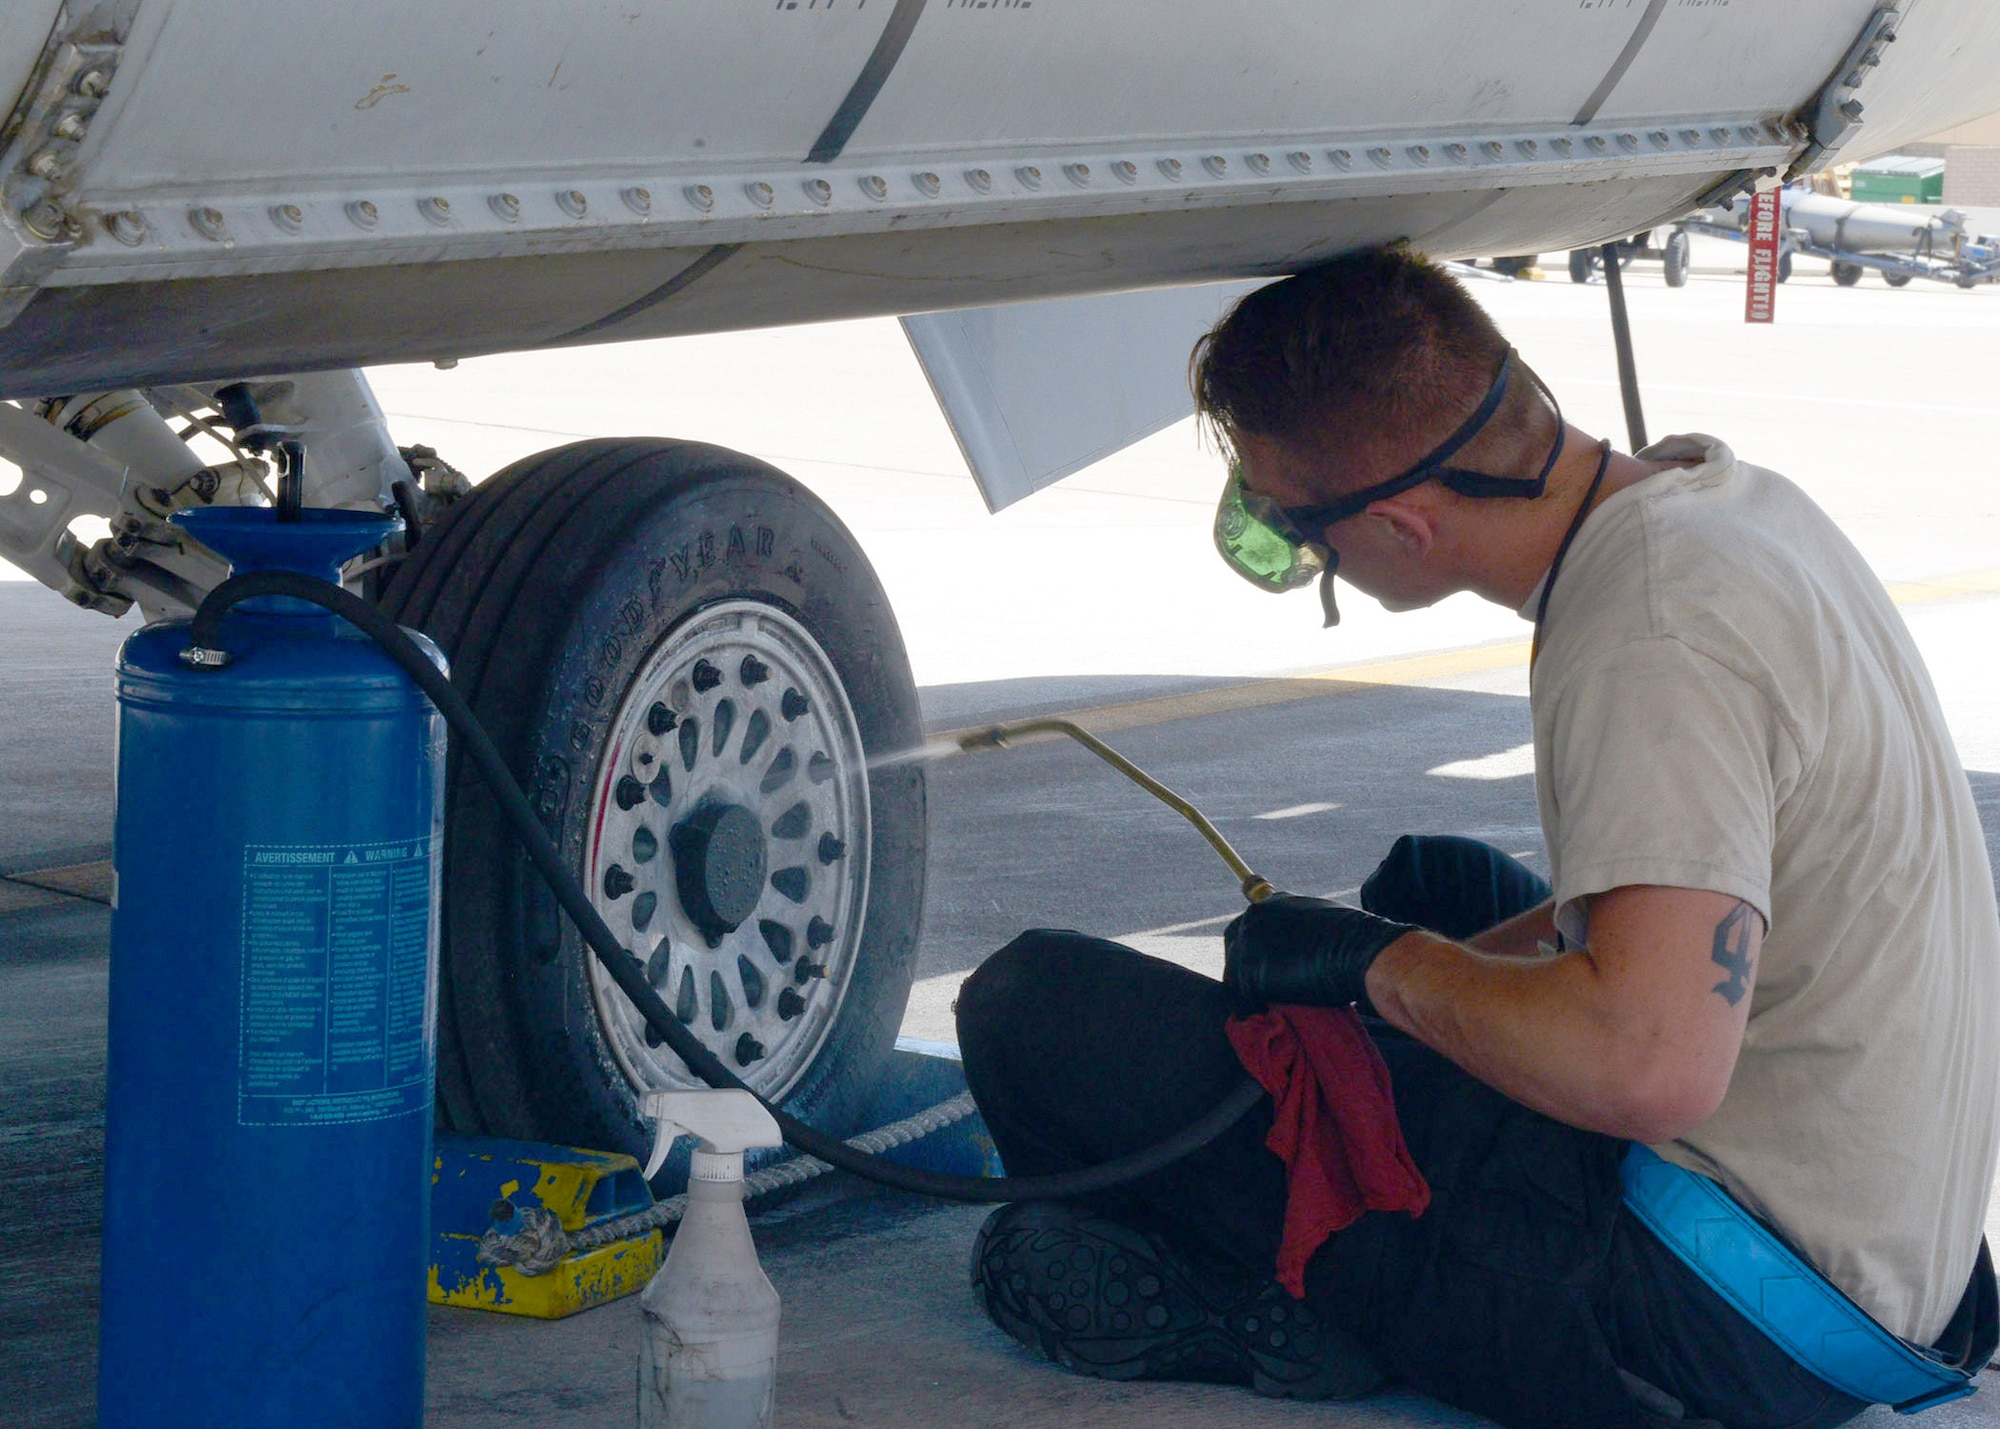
(847, 118)
(1621, 64)
(693, 273)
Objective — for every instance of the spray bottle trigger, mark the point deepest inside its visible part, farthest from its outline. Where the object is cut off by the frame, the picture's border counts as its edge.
(723, 1121)
(665, 1134)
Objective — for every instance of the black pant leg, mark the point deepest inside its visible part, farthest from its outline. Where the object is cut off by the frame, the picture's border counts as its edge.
(1078, 1050)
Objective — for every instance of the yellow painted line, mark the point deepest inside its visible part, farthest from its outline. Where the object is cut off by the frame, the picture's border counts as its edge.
(1443, 665)
(1945, 588)
(1411, 670)
(1286, 689)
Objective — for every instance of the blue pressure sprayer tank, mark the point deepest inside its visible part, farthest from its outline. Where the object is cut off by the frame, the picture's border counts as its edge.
(273, 995)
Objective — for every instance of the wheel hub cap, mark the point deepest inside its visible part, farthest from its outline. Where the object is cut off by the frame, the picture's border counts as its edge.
(719, 866)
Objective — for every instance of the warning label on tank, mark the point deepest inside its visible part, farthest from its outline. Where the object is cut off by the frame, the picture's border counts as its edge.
(336, 983)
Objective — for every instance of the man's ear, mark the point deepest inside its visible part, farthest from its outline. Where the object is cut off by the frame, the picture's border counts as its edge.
(1412, 527)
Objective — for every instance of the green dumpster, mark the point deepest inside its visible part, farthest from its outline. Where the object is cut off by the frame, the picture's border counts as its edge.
(1898, 178)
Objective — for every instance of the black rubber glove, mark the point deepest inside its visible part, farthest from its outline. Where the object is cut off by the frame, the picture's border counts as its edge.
(1291, 948)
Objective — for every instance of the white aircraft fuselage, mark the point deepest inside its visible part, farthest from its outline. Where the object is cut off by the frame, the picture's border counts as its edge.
(197, 189)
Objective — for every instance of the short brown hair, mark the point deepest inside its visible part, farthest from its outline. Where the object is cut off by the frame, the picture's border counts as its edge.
(1375, 343)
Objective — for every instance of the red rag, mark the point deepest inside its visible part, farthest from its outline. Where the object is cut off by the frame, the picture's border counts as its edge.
(1335, 1126)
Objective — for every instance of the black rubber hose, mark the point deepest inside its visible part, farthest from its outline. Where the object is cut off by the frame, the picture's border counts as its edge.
(205, 651)
(291, 502)
(411, 509)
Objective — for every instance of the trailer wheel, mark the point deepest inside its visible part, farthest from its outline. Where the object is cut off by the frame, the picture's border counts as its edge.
(1846, 274)
(1895, 280)
(1677, 255)
(689, 663)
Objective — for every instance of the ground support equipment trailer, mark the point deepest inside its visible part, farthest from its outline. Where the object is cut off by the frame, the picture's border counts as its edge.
(1899, 242)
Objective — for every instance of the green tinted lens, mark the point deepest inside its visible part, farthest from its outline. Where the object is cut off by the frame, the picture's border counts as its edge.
(1252, 534)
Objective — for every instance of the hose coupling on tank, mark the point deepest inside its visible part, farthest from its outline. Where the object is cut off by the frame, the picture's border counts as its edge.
(197, 657)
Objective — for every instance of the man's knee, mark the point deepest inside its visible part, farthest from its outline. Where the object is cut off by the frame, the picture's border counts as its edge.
(1452, 885)
(1006, 985)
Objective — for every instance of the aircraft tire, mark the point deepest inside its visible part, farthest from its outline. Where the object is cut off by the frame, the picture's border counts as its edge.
(1846, 274)
(1677, 258)
(1581, 262)
(579, 593)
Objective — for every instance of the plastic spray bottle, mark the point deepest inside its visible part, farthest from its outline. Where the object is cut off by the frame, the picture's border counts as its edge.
(708, 1357)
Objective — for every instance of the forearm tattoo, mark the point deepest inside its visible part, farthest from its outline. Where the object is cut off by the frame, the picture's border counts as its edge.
(1732, 953)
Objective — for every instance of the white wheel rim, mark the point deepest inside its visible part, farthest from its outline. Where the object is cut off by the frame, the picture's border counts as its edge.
(773, 760)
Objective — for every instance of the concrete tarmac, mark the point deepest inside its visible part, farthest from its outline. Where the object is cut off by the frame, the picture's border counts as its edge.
(1100, 592)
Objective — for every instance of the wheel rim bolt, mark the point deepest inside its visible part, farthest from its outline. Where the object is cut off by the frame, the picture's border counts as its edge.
(660, 719)
(617, 882)
(819, 933)
(806, 970)
(830, 848)
(793, 705)
(753, 672)
(631, 793)
(790, 1004)
(748, 1050)
(704, 677)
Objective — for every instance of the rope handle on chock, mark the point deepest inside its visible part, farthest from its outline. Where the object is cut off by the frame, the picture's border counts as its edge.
(206, 651)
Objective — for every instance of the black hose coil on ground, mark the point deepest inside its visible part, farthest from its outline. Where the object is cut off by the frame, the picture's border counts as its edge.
(205, 651)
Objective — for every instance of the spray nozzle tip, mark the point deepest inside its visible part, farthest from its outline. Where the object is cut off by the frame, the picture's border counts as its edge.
(994, 738)
(723, 1121)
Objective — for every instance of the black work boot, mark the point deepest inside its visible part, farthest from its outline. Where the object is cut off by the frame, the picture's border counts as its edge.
(1111, 1301)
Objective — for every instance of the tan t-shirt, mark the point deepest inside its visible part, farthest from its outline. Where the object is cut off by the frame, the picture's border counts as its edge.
(1727, 700)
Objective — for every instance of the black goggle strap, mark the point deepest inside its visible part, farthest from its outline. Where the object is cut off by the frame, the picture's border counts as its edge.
(1318, 518)
(1480, 484)
(1481, 415)
(1465, 483)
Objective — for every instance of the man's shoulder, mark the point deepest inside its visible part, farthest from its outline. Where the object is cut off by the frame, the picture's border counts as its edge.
(1714, 527)
(1728, 558)
(1707, 488)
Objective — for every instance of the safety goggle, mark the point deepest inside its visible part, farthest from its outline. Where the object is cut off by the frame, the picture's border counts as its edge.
(1268, 545)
